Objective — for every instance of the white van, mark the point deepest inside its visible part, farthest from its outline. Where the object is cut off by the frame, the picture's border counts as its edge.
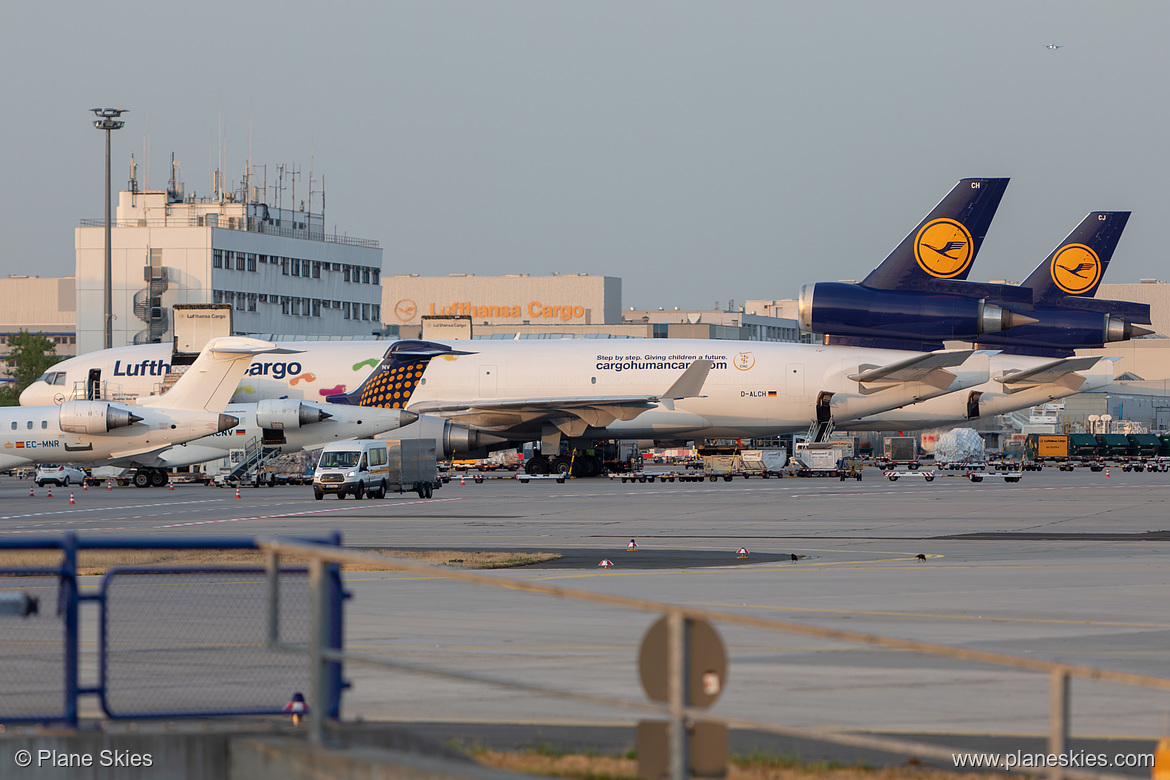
(359, 467)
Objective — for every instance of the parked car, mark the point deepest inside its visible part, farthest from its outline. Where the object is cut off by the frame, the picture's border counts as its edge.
(61, 476)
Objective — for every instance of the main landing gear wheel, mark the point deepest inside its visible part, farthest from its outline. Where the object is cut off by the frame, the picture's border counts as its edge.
(537, 466)
(141, 479)
(158, 478)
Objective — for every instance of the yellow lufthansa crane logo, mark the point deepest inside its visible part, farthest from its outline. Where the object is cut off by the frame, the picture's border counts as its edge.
(405, 309)
(1075, 268)
(943, 248)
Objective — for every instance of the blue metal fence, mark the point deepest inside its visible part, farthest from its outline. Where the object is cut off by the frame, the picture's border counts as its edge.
(173, 642)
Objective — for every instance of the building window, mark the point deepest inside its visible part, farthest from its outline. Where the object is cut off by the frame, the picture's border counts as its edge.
(296, 267)
(252, 302)
(316, 308)
(241, 261)
(345, 273)
(217, 258)
(375, 274)
(251, 262)
(284, 265)
(316, 270)
(345, 309)
(284, 305)
(376, 311)
(365, 311)
(365, 276)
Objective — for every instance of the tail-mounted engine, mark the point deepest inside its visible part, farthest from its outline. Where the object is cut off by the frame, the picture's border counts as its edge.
(92, 417)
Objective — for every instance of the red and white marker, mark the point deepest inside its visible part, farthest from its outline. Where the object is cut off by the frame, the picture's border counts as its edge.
(50, 493)
(31, 494)
(237, 491)
(297, 707)
(741, 552)
(109, 484)
(632, 546)
(71, 501)
(606, 564)
(171, 486)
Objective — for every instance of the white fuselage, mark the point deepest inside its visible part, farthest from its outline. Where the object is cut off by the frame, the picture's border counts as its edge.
(33, 434)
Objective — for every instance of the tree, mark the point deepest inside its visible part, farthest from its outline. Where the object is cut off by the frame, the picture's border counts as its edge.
(29, 356)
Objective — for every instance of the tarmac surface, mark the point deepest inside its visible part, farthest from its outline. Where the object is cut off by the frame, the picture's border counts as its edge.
(1067, 567)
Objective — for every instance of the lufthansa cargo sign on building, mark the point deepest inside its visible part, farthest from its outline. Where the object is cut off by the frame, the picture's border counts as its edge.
(577, 299)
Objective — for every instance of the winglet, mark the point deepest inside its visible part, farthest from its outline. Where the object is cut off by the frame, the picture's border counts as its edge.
(210, 381)
(690, 384)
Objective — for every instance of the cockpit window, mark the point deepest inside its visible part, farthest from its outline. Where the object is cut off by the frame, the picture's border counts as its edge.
(53, 378)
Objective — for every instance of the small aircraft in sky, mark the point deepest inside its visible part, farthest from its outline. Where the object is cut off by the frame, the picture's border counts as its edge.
(1055, 46)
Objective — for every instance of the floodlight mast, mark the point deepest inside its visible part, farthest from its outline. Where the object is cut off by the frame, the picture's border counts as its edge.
(107, 119)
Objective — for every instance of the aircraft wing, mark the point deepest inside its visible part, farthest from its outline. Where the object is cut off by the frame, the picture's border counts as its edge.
(1016, 380)
(571, 414)
(930, 368)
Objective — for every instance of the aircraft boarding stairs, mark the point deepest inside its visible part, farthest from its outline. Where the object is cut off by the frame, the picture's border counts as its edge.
(253, 456)
(820, 431)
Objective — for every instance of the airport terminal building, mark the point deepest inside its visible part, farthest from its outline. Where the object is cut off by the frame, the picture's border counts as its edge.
(278, 268)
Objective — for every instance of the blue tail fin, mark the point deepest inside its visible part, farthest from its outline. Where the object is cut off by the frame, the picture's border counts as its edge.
(1078, 263)
(945, 243)
(394, 381)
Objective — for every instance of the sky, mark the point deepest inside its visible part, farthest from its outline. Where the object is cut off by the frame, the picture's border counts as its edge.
(703, 152)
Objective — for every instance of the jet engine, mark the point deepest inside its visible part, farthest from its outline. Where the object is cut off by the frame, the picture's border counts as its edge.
(843, 309)
(287, 414)
(93, 417)
(449, 438)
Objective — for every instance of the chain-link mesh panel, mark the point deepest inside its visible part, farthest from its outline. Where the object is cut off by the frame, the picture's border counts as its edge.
(32, 654)
(195, 643)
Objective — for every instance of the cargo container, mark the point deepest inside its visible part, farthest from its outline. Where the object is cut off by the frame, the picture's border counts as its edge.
(1113, 446)
(900, 450)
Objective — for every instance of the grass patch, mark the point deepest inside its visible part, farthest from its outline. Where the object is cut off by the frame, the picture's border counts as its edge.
(94, 562)
(542, 759)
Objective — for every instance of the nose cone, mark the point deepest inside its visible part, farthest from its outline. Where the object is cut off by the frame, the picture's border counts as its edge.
(406, 418)
(227, 422)
(36, 395)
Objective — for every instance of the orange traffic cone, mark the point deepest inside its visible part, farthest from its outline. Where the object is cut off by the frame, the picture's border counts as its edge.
(171, 486)
(461, 480)
(71, 501)
(50, 493)
(109, 484)
(30, 492)
(85, 486)
(1107, 471)
(632, 546)
(237, 491)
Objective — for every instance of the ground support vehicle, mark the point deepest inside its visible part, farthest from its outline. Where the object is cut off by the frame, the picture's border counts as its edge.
(894, 474)
(851, 469)
(58, 475)
(1006, 476)
(526, 478)
(818, 462)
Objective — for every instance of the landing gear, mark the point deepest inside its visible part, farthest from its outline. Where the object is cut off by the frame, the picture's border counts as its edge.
(537, 466)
